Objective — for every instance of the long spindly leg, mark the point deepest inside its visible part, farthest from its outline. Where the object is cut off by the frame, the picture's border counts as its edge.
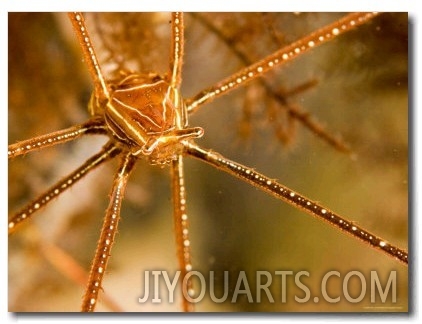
(278, 58)
(101, 89)
(181, 226)
(66, 264)
(282, 192)
(94, 126)
(280, 97)
(175, 72)
(107, 152)
(177, 45)
(108, 232)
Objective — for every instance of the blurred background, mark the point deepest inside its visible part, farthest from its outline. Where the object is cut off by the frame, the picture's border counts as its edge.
(355, 87)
